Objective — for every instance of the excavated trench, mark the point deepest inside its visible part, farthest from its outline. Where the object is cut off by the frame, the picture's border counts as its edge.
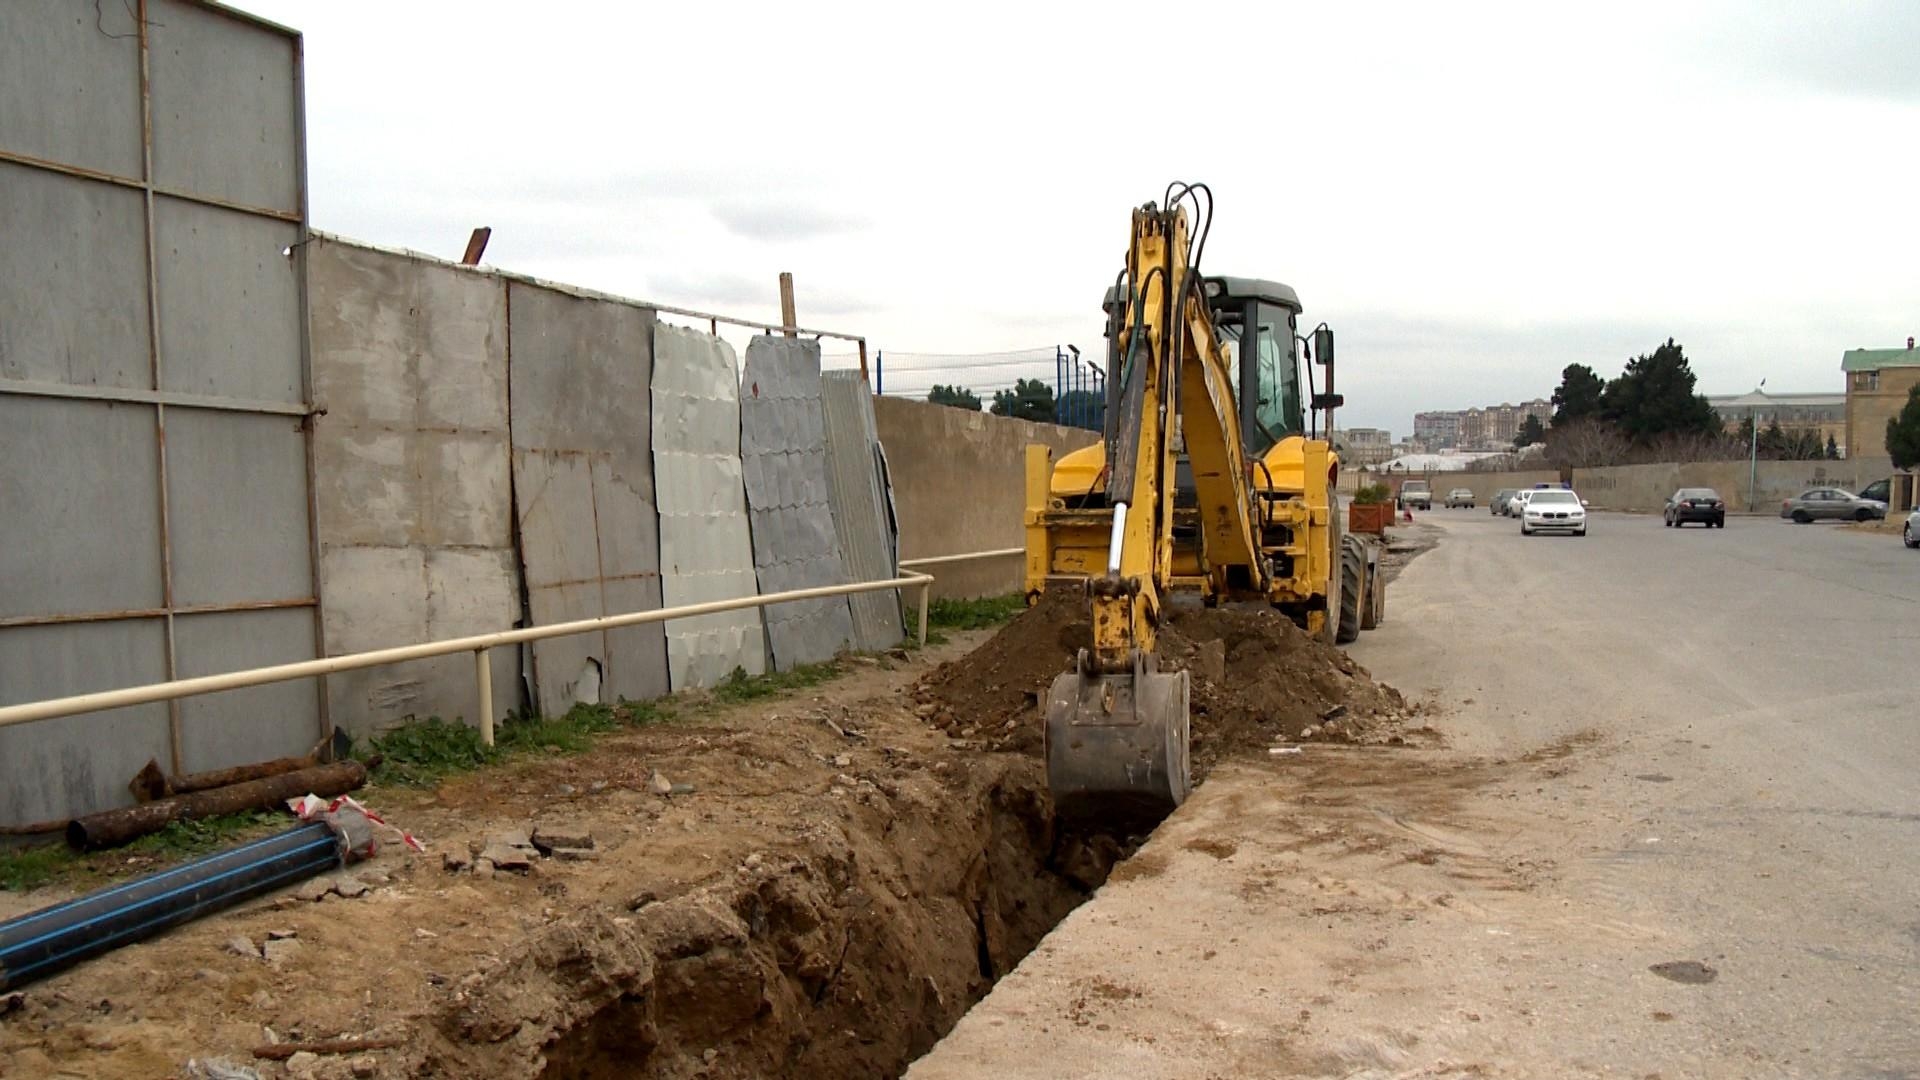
(850, 951)
(848, 955)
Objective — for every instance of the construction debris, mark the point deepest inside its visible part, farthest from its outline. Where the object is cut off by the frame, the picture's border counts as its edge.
(111, 828)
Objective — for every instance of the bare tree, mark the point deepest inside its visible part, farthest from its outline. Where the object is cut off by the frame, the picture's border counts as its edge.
(1586, 444)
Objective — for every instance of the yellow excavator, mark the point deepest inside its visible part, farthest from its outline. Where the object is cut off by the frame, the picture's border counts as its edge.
(1213, 479)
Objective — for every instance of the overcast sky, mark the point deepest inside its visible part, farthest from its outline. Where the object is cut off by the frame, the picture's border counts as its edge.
(1472, 195)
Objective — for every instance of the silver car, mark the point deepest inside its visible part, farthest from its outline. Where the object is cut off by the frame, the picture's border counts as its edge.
(1910, 532)
(1831, 504)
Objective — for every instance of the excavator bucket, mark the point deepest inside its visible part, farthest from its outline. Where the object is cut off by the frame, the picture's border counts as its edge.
(1117, 748)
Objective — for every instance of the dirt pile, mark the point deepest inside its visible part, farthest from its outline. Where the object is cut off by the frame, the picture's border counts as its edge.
(1257, 680)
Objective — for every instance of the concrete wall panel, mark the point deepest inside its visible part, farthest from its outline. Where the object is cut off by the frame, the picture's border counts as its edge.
(73, 277)
(226, 107)
(229, 303)
(1646, 487)
(706, 547)
(959, 480)
(59, 767)
(259, 723)
(237, 496)
(413, 477)
(79, 510)
(860, 508)
(783, 456)
(89, 76)
(581, 422)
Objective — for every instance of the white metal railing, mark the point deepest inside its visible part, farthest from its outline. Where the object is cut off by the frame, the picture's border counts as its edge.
(478, 645)
(940, 560)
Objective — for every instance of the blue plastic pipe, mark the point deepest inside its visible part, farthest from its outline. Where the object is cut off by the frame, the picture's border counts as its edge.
(51, 939)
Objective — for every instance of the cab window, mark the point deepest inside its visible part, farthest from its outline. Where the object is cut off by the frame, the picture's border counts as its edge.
(1277, 410)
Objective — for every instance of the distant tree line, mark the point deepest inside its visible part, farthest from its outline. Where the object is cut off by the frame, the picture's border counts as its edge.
(1029, 399)
(1651, 412)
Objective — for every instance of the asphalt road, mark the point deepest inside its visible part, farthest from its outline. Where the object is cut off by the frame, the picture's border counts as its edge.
(1676, 832)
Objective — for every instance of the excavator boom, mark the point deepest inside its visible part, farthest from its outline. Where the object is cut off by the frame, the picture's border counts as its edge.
(1117, 726)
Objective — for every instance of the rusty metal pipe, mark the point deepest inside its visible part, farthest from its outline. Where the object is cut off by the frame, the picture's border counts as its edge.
(111, 828)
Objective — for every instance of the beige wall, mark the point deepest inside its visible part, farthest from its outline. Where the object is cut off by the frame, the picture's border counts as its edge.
(958, 486)
(1646, 487)
(1869, 410)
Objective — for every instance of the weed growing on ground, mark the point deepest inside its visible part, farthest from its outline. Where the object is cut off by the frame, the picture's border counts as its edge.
(424, 752)
(741, 687)
(30, 867)
(978, 614)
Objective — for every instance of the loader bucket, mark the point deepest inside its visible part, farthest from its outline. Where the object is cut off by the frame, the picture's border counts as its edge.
(1117, 748)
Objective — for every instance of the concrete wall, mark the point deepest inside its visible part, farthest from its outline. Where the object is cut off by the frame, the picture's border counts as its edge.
(1646, 487)
(411, 466)
(959, 486)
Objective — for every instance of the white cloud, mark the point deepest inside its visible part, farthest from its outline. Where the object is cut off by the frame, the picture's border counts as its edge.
(1473, 195)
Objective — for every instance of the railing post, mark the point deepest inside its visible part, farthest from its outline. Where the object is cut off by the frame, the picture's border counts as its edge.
(483, 675)
(926, 587)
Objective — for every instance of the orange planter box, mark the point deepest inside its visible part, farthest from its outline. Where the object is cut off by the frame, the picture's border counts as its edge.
(1369, 519)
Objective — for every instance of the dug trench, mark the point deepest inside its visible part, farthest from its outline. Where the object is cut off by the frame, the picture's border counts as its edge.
(826, 886)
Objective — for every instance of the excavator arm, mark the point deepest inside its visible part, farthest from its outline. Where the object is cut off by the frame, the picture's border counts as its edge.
(1117, 727)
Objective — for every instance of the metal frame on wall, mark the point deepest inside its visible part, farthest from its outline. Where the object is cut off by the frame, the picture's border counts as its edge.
(220, 181)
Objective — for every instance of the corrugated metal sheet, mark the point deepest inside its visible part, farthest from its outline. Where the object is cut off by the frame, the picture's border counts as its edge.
(860, 507)
(706, 545)
(783, 455)
(580, 417)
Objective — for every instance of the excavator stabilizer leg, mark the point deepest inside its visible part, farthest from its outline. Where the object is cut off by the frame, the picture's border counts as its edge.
(1117, 747)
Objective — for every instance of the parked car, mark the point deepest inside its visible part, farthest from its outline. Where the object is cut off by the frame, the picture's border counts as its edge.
(1910, 532)
(1460, 497)
(1519, 501)
(1416, 495)
(1500, 499)
(1703, 505)
(1833, 504)
(1554, 511)
(1880, 490)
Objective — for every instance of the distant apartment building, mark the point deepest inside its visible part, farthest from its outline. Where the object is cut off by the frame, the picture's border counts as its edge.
(1436, 429)
(1877, 385)
(1488, 427)
(1366, 446)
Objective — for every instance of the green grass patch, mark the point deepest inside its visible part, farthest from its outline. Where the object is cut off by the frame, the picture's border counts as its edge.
(428, 751)
(31, 867)
(741, 687)
(978, 614)
(28, 867)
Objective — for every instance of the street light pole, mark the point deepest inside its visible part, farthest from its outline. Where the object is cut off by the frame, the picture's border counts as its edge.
(1753, 450)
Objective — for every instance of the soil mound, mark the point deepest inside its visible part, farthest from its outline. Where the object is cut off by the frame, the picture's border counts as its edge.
(1257, 680)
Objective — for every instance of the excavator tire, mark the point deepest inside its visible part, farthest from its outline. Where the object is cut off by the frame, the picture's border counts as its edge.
(1350, 599)
(1376, 609)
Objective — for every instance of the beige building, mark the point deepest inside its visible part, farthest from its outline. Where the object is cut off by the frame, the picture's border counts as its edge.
(1489, 427)
(1365, 446)
(1877, 385)
(1823, 414)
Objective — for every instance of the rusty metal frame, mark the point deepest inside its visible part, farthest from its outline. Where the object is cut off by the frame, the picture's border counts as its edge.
(160, 399)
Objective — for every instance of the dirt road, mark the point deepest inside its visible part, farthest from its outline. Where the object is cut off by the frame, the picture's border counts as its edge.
(1674, 835)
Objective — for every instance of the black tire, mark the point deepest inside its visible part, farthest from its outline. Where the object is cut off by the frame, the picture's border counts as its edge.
(1863, 515)
(1350, 599)
(1375, 612)
(1907, 537)
(1667, 521)
(1801, 517)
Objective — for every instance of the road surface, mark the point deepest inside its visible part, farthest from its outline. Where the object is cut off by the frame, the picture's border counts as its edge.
(1676, 833)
